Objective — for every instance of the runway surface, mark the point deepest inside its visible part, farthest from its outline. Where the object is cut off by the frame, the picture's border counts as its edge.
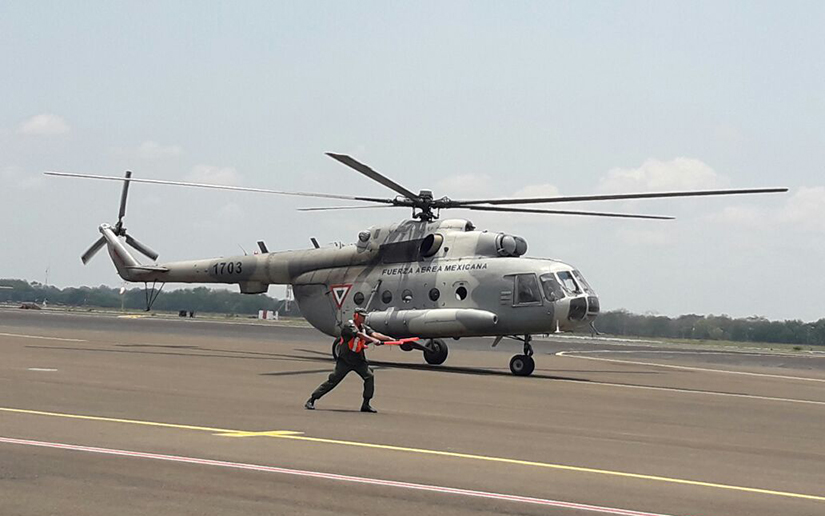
(103, 415)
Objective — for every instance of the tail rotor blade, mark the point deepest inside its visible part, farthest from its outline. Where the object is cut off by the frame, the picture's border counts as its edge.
(123, 193)
(141, 248)
(100, 242)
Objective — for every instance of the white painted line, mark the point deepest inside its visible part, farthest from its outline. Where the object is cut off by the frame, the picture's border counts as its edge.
(335, 477)
(698, 392)
(43, 369)
(699, 352)
(40, 337)
(578, 354)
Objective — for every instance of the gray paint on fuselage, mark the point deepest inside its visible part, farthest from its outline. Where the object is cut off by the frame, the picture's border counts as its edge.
(467, 258)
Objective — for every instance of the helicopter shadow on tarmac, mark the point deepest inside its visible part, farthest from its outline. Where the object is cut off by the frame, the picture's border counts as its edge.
(307, 356)
(472, 371)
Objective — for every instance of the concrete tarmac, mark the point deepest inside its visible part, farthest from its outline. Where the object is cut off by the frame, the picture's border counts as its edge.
(102, 414)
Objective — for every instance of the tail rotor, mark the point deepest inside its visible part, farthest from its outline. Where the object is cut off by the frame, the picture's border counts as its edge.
(119, 230)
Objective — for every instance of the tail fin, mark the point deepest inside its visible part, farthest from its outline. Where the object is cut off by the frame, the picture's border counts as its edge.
(121, 257)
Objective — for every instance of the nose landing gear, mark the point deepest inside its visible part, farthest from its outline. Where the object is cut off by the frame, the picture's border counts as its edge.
(523, 365)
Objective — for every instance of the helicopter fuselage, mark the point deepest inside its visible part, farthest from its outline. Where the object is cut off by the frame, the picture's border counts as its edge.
(427, 279)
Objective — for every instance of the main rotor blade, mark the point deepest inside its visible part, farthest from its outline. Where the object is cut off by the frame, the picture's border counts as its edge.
(328, 208)
(565, 212)
(91, 251)
(123, 195)
(141, 248)
(223, 187)
(372, 174)
(614, 197)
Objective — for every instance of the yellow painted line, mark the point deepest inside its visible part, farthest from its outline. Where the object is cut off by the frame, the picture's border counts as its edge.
(115, 420)
(286, 434)
(274, 433)
(556, 466)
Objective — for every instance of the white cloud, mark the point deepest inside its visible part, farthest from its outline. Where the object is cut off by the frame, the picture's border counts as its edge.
(805, 210)
(153, 150)
(802, 212)
(742, 216)
(655, 175)
(215, 175)
(45, 124)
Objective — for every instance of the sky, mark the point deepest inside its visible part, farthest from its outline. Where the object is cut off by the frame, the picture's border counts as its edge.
(465, 98)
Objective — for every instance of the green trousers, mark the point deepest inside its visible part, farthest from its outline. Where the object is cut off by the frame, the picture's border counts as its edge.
(342, 369)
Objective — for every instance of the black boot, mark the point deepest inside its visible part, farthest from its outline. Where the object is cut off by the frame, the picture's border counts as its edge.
(365, 407)
(310, 404)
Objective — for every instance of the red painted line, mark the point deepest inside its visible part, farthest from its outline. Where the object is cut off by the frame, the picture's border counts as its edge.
(333, 476)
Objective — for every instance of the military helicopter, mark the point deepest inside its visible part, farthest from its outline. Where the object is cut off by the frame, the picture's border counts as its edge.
(424, 276)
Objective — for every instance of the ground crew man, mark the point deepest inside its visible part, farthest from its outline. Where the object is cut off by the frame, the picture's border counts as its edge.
(355, 336)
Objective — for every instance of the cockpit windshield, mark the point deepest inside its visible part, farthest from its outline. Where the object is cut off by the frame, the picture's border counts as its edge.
(584, 283)
(568, 283)
(551, 287)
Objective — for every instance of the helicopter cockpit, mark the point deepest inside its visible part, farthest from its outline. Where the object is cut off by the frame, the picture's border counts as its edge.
(568, 288)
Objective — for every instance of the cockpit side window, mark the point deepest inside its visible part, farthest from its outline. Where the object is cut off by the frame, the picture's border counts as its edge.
(568, 283)
(551, 287)
(527, 290)
(585, 285)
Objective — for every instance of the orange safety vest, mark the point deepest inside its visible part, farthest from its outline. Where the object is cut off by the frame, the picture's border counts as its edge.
(357, 344)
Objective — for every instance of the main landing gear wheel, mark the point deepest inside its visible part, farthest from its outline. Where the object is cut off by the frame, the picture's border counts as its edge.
(335, 348)
(522, 365)
(436, 352)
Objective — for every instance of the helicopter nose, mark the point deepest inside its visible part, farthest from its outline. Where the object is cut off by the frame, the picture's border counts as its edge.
(592, 307)
(571, 312)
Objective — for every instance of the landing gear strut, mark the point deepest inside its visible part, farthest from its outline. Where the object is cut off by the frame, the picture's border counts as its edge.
(523, 365)
(152, 293)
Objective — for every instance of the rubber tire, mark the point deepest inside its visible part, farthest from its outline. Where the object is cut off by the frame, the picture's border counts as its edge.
(439, 353)
(335, 348)
(522, 365)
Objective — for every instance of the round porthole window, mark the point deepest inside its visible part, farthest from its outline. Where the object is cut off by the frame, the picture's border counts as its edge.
(386, 297)
(461, 293)
(358, 298)
(406, 296)
(434, 294)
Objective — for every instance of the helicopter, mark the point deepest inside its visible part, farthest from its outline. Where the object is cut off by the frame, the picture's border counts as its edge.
(423, 277)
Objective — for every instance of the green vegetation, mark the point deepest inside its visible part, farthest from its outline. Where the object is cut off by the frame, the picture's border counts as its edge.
(199, 299)
(712, 328)
(621, 322)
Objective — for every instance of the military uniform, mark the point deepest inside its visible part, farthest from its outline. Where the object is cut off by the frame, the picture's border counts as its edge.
(351, 357)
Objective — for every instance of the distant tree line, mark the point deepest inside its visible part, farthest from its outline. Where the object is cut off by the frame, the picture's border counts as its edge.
(619, 322)
(200, 299)
(712, 327)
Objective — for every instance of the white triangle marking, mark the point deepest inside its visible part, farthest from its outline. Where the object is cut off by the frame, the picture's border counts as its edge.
(339, 293)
